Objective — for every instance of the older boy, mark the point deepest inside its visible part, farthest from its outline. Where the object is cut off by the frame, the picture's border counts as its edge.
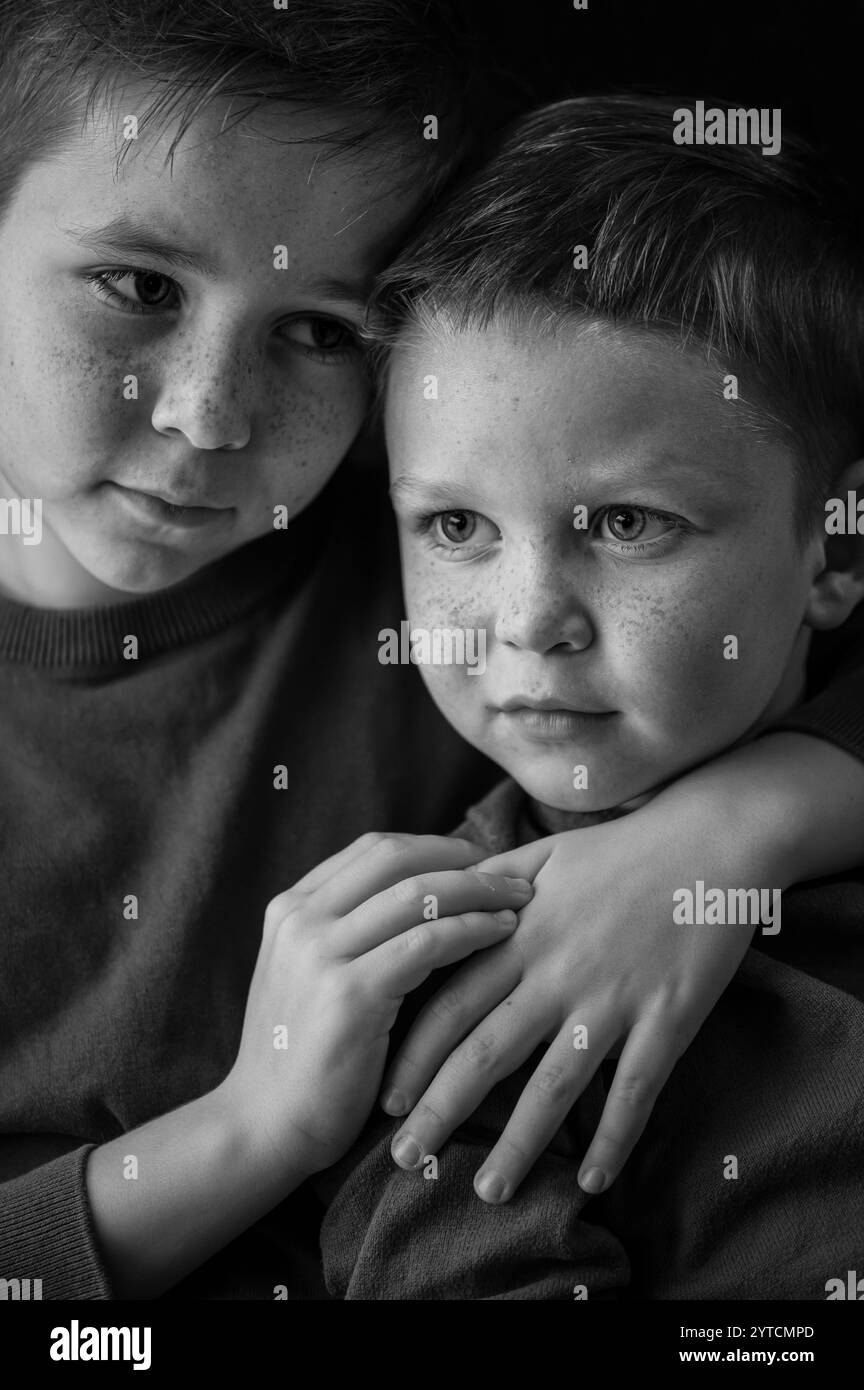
(621, 482)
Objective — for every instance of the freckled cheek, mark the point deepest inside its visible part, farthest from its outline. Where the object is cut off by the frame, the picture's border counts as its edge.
(438, 594)
(677, 676)
(72, 410)
(308, 433)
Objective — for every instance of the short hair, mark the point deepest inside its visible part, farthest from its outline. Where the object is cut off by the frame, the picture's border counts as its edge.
(757, 258)
(382, 65)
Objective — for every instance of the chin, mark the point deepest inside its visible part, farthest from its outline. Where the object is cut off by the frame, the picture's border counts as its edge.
(143, 575)
(557, 791)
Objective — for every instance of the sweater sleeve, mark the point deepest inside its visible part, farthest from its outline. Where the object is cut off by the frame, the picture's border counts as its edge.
(46, 1230)
(834, 709)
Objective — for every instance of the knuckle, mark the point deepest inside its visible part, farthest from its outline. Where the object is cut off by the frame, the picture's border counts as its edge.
(277, 910)
(410, 890)
(448, 1005)
(467, 845)
(478, 1053)
(387, 845)
(552, 1084)
(511, 1153)
(369, 839)
(635, 1090)
(415, 940)
(426, 1113)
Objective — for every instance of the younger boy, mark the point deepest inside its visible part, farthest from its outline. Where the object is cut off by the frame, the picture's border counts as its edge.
(621, 481)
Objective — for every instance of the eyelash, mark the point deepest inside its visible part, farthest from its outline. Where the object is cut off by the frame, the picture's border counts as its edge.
(424, 522)
(102, 281)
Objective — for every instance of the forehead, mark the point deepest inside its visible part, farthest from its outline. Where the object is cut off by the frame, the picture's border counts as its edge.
(583, 404)
(237, 190)
(580, 381)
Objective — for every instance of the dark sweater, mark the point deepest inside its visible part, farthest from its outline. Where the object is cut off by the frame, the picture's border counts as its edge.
(155, 779)
(773, 1083)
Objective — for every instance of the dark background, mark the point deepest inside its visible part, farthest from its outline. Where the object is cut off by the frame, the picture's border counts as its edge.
(804, 56)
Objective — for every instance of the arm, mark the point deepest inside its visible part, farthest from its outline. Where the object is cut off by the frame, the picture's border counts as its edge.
(597, 947)
(338, 954)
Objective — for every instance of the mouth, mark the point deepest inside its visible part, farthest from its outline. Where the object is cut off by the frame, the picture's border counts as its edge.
(553, 718)
(162, 510)
(547, 702)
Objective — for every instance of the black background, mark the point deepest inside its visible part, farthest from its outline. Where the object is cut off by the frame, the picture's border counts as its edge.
(804, 56)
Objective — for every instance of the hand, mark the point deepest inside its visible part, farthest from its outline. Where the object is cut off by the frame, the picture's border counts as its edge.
(595, 947)
(339, 952)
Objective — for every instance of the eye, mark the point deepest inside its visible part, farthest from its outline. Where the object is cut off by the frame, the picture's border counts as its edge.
(137, 291)
(459, 534)
(627, 525)
(457, 527)
(321, 336)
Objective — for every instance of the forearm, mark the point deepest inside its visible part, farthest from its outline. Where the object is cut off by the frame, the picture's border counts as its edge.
(791, 804)
(202, 1179)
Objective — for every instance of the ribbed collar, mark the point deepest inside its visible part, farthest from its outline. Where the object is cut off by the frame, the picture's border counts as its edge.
(92, 639)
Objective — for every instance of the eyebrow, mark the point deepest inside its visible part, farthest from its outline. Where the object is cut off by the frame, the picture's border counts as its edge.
(127, 237)
(355, 292)
(714, 481)
(407, 488)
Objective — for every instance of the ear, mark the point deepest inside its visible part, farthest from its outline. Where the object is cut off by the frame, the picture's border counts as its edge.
(838, 585)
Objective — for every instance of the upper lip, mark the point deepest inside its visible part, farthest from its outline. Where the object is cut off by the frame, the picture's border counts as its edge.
(549, 702)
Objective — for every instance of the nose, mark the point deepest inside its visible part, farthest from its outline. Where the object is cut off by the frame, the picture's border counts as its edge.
(206, 393)
(537, 608)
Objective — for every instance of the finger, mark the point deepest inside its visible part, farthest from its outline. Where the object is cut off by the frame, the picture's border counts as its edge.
(468, 996)
(643, 1070)
(495, 1049)
(425, 897)
(555, 1086)
(331, 866)
(524, 862)
(388, 859)
(405, 961)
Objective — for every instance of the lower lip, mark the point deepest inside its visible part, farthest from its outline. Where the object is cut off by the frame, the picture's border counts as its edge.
(143, 506)
(556, 724)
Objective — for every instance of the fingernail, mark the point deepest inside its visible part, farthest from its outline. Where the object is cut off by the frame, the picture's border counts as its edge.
(393, 1102)
(507, 918)
(491, 1187)
(520, 885)
(593, 1181)
(407, 1152)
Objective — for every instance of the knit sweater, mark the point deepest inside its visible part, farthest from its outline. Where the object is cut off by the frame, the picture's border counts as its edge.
(747, 1184)
(144, 826)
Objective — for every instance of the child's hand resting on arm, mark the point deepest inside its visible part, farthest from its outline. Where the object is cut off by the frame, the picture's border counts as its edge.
(597, 946)
(339, 952)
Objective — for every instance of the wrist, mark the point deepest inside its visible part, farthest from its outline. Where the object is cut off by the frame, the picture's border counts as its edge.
(751, 807)
(265, 1151)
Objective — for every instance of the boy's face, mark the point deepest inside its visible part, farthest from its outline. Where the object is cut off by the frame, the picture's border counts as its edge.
(631, 647)
(164, 384)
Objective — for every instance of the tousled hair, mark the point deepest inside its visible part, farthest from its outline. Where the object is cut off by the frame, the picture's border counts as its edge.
(381, 66)
(755, 259)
